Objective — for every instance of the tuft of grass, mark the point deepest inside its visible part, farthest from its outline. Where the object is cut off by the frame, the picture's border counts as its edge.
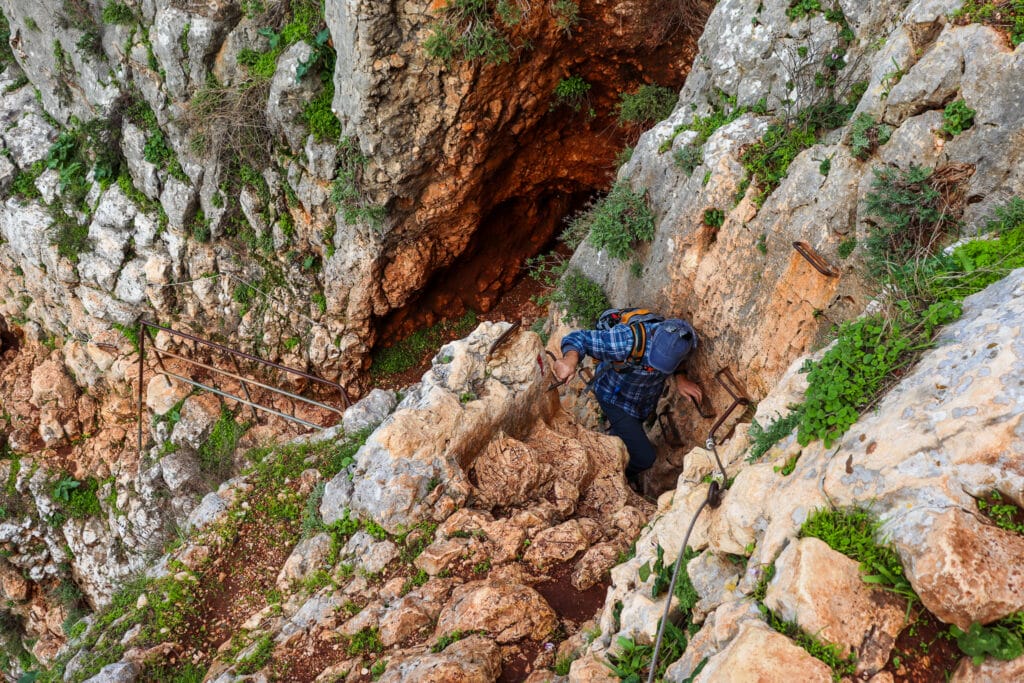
(571, 92)
(763, 438)
(216, 454)
(649, 104)
(320, 118)
(118, 13)
(409, 352)
(365, 642)
(619, 221)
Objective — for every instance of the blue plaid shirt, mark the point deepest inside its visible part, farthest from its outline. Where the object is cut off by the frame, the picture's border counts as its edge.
(636, 392)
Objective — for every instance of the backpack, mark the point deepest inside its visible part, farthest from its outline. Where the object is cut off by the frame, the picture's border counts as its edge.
(672, 338)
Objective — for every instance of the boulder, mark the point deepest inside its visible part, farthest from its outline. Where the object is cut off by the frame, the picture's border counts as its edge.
(822, 591)
(309, 555)
(562, 543)
(760, 654)
(470, 660)
(507, 611)
(369, 411)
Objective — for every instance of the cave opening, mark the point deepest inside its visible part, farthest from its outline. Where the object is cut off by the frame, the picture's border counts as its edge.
(515, 230)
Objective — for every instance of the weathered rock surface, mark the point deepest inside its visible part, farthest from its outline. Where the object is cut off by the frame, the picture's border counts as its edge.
(470, 660)
(822, 591)
(508, 612)
(759, 653)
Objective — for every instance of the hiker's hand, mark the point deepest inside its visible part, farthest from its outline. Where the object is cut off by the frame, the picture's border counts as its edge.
(688, 388)
(565, 367)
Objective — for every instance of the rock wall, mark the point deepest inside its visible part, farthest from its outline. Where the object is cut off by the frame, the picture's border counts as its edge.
(756, 303)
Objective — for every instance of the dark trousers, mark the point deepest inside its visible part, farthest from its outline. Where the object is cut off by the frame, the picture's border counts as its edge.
(631, 431)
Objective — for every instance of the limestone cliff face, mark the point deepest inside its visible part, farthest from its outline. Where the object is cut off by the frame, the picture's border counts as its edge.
(756, 302)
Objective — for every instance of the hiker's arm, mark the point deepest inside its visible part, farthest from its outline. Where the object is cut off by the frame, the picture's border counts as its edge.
(614, 344)
(565, 366)
(687, 388)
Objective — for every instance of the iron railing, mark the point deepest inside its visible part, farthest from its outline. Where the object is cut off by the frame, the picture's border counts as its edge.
(145, 332)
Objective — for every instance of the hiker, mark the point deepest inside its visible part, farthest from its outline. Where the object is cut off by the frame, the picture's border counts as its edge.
(638, 352)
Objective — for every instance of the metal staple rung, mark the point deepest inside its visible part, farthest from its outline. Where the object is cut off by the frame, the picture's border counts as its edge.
(815, 259)
(226, 394)
(250, 381)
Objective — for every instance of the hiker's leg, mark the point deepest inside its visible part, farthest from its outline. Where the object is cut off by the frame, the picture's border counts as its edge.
(631, 431)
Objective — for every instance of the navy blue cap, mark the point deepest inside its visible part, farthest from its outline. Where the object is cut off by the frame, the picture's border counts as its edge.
(671, 343)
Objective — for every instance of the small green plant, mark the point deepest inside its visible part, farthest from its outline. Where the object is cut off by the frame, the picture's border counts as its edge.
(631, 659)
(687, 158)
(957, 117)
(763, 438)
(849, 376)
(1006, 15)
(260, 656)
(825, 166)
(320, 118)
(787, 467)
(866, 135)
(377, 670)
(846, 247)
(649, 104)
(446, 640)
(415, 581)
(662, 573)
(571, 92)
(1005, 515)
(620, 220)
(118, 13)
(566, 14)
(563, 664)
(714, 218)
(762, 243)
(799, 9)
(346, 192)
(482, 567)
(216, 453)
(580, 298)
(996, 641)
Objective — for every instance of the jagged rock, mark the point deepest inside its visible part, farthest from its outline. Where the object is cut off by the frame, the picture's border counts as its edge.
(715, 578)
(289, 94)
(443, 553)
(471, 660)
(592, 568)
(562, 543)
(180, 470)
(121, 672)
(507, 611)
(163, 393)
(591, 669)
(407, 617)
(368, 554)
(198, 415)
(823, 592)
(369, 411)
(932, 82)
(759, 653)
(307, 557)
(210, 508)
(989, 671)
(425, 440)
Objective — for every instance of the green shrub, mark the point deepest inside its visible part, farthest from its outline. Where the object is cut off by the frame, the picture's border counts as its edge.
(365, 642)
(996, 641)
(466, 30)
(571, 92)
(620, 220)
(216, 453)
(866, 135)
(581, 299)
(24, 183)
(957, 117)
(846, 248)
(260, 656)
(687, 158)
(849, 376)
(649, 104)
(798, 9)
(566, 14)
(909, 217)
(722, 114)
(714, 218)
(1006, 15)
(345, 190)
(320, 118)
(115, 12)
